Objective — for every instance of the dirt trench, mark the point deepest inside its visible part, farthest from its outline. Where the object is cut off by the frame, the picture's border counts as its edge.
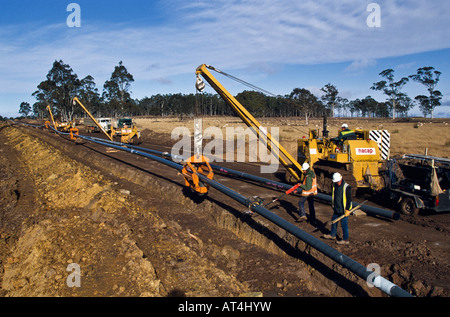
(134, 232)
(66, 213)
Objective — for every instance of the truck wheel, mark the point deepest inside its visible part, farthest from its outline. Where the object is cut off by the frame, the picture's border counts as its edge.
(408, 207)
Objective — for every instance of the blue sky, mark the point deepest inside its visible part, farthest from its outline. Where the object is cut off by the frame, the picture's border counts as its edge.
(277, 45)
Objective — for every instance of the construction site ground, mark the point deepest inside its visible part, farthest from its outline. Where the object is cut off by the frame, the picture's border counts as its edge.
(132, 229)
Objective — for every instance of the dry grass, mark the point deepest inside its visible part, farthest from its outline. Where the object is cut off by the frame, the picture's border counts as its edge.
(413, 136)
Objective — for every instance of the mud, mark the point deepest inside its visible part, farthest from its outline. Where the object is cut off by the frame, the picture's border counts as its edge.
(133, 231)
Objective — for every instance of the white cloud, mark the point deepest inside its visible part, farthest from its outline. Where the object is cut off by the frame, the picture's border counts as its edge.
(247, 34)
(407, 66)
(361, 64)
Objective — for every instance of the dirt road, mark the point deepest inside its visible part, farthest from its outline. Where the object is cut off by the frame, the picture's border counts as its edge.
(131, 229)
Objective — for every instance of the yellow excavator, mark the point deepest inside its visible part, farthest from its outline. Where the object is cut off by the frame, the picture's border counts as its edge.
(359, 161)
(127, 131)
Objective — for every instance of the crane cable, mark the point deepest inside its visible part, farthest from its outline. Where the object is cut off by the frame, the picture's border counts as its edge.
(242, 82)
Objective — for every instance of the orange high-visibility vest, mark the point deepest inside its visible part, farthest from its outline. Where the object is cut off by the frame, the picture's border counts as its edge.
(313, 190)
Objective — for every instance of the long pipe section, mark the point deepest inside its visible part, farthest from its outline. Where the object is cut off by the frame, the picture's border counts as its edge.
(370, 210)
(371, 277)
(374, 211)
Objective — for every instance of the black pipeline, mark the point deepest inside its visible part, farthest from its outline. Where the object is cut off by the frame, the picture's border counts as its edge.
(374, 211)
(370, 210)
(371, 277)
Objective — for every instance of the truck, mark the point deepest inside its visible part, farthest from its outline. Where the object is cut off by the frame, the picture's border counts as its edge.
(419, 182)
(91, 126)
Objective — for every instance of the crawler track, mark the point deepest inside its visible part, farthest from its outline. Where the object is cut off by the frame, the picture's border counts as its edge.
(325, 173)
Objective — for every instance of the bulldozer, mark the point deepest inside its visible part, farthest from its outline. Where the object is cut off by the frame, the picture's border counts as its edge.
(361, 161)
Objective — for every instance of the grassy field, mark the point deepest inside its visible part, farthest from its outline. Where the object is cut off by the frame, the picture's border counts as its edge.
(411, 136)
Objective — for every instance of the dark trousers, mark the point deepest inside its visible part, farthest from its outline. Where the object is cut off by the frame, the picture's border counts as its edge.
(301, 206)
(344, 225)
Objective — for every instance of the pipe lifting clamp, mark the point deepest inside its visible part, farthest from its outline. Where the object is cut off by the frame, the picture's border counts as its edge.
(197, 164)
(72, 130)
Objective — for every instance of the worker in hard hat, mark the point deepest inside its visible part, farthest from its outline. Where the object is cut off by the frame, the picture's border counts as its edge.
(341, 201)
(307, 190)
(344, 134)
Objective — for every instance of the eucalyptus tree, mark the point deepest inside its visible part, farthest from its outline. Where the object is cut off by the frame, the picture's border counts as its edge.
(307, 102)
(25, 108)
(429, 77)
(58, 90)
(330, 98)
(116, 90)
(88, 93)
(390, 88)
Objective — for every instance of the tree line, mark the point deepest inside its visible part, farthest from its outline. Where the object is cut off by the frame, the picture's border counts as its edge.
(62, 84)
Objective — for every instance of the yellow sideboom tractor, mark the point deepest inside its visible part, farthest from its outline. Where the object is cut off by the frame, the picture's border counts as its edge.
(361, 161)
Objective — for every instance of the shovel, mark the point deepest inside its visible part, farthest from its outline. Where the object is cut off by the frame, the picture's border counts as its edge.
(343, 216)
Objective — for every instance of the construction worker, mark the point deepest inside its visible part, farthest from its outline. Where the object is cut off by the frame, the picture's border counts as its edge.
(344, 134)
(307, 190)
(341, 201)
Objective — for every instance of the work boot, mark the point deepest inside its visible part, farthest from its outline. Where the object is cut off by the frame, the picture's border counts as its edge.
(343, 242)
(302, 218)
(328, 236)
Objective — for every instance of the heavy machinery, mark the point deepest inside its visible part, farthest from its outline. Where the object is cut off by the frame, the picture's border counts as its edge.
(63, 126)
(362, 161)
(126, 132)
(291, 165)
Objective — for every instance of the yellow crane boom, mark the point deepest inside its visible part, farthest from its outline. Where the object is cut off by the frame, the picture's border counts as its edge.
(93, 119)
(245, 116)
(51, 116)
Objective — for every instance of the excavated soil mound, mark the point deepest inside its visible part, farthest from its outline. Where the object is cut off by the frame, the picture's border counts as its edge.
(78, 217)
